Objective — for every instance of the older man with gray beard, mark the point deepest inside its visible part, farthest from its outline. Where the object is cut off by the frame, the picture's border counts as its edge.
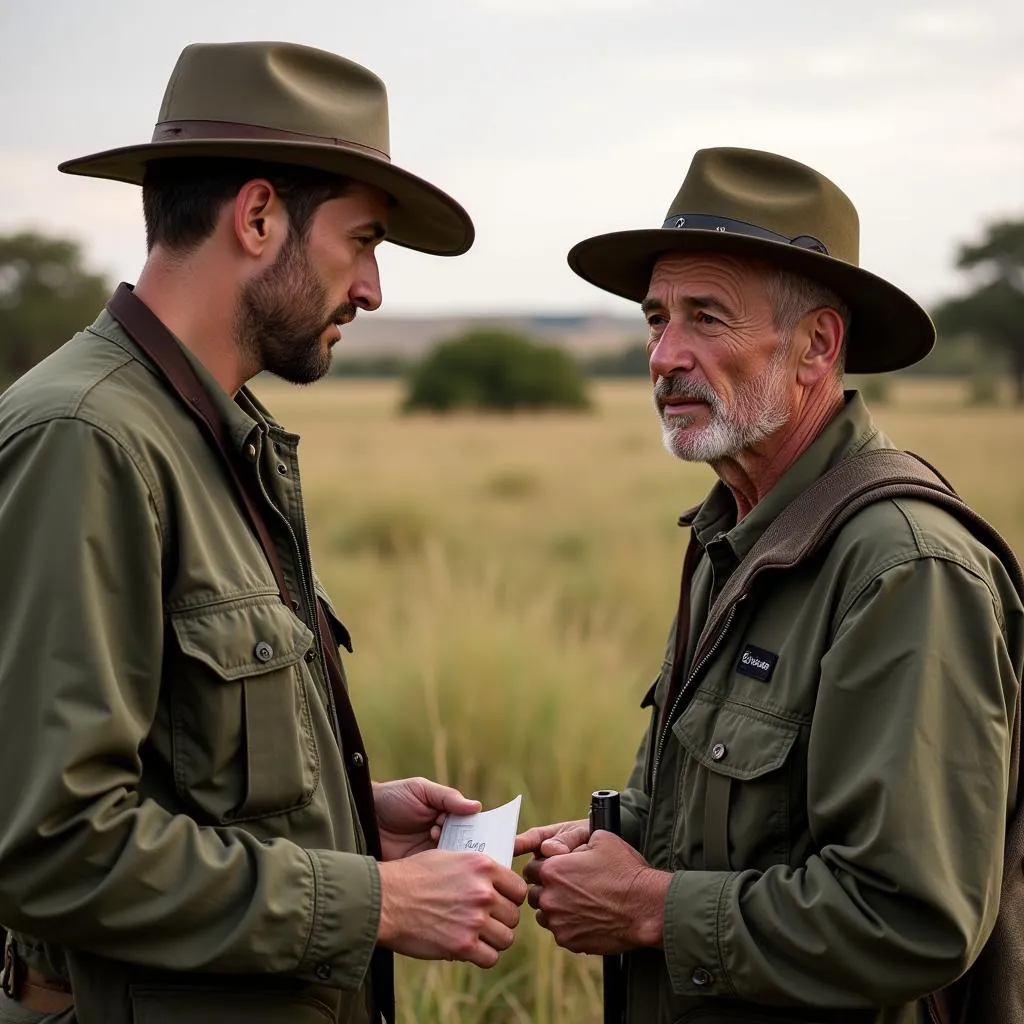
(813, 827)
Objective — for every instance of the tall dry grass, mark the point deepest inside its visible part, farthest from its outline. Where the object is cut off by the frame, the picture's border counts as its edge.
(509, 582)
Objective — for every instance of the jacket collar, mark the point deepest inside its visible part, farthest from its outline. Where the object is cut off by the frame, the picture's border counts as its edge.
(243, 415)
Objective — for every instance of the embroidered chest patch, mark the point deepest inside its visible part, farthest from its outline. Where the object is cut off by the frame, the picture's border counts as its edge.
(757, 663)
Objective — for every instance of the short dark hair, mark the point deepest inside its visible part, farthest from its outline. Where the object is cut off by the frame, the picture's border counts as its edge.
(181, 199)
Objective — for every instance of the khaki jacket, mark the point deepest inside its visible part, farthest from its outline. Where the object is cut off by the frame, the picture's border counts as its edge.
(177, 831)
(854, 724)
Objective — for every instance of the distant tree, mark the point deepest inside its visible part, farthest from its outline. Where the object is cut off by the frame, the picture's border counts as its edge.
(994, 312)
(46, 295)
(633, 361)
(497, 370)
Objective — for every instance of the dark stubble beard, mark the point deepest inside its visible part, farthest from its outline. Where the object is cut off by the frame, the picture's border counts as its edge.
(281, 315)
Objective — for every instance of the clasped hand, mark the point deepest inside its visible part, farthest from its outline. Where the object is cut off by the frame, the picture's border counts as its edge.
(594, 893)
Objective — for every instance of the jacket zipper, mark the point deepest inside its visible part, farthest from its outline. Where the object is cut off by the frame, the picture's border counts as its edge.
(694, 672)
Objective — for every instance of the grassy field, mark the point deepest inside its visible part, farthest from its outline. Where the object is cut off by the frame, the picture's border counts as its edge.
(509, 583)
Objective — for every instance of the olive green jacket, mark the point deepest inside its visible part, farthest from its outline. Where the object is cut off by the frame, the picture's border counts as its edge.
(176, 814)
(854, 726)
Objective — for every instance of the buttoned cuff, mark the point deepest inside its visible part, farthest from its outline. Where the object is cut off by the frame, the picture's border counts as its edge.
(693, 932)
(346, 916)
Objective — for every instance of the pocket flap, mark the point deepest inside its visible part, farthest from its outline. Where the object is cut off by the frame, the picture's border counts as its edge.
(733, 740)
(246, 637)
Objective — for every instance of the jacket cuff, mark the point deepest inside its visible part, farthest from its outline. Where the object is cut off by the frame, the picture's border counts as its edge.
(693, 932)
(346, 916)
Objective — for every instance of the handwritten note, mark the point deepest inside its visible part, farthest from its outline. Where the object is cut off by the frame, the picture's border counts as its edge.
(492, 832)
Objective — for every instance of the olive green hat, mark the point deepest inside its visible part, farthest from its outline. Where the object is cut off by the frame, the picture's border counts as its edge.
(295, 105)
(747, 203)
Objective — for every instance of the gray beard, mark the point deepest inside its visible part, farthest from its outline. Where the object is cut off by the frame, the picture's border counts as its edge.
(760, 411)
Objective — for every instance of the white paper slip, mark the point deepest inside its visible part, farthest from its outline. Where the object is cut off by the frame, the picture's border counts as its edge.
(491, 832)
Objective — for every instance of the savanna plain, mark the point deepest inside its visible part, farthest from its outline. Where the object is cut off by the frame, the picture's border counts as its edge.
(509, 582)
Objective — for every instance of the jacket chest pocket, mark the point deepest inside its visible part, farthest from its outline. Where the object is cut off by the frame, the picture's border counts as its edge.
(242, 733)
(736, 787)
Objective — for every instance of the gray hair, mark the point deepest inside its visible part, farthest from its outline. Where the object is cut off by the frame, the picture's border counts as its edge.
(793, 295)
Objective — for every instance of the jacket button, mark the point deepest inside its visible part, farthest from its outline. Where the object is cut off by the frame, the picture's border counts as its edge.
(718, 751)
(311, 654)
(250, 450)
(358, 760)
(701, 977)
(263, 651)
(282, 468)
(323, 971)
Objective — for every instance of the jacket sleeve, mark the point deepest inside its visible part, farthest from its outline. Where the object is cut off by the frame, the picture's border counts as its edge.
(907, 797)
(83, 860)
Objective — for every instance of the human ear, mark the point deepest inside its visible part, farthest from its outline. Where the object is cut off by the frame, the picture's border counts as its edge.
(823, 334)
(260, 218)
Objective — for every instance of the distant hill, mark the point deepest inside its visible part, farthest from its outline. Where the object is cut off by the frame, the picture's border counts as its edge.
(410, 337)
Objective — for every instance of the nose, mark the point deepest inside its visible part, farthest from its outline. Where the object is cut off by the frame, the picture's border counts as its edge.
(672, 355)
(365, 292)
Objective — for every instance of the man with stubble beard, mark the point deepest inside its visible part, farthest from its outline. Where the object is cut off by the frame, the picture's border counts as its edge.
(189, 831)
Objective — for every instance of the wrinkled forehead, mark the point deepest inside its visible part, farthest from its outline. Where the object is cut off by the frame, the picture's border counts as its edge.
(678, 275)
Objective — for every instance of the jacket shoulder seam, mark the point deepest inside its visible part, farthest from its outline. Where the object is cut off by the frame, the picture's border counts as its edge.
(137, 461)
(91, 386)
(931, 550)
(864, 581)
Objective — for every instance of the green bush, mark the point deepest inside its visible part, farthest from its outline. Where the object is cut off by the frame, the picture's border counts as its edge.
(983, 389)
(495, 370)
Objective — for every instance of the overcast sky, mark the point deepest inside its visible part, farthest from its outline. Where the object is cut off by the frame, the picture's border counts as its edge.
(552, 120)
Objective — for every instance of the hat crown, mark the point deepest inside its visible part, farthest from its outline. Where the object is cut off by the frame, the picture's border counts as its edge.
(772, 192)
(282, 86)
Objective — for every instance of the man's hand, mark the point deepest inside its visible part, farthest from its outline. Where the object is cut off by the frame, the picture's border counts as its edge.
(552, 840)
(410, 813)
(602, 898)
(441, 905)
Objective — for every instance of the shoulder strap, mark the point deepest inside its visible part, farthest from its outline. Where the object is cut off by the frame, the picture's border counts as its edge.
(159, 344)
(811, 521)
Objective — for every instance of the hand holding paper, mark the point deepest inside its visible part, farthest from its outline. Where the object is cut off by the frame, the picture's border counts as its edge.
(492, 832)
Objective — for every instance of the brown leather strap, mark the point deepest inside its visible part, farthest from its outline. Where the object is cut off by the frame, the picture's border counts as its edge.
(200, 131)
(716, 821)
(160, 345)
(810, 522)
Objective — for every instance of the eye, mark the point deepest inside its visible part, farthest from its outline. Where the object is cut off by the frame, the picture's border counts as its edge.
(656, 320)
(706, 319)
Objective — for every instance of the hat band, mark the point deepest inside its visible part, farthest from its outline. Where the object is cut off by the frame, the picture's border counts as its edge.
(167, 131)
(705, 222)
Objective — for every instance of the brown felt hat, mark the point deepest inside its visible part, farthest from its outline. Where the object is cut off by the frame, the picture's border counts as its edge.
(288, 104)
(748, 203)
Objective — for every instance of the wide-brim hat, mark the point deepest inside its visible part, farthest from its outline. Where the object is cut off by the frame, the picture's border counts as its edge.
(288, 104)
(744, 202)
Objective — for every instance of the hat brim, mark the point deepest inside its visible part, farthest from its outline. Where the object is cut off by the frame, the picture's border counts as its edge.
(421, 217)
(888, 329)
